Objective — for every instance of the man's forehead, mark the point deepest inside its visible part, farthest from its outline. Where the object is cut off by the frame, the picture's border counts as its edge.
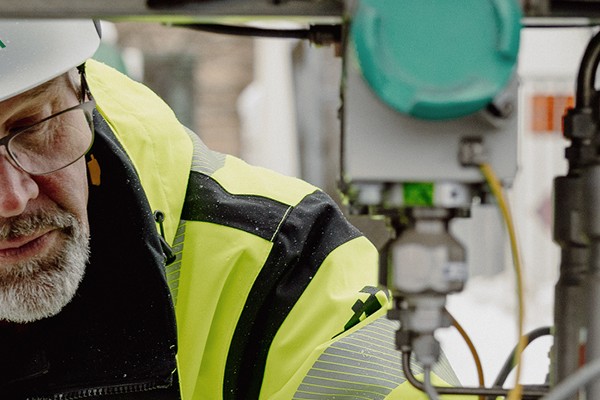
(44, 92)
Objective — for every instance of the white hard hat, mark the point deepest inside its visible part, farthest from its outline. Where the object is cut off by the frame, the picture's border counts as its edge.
(35, 51)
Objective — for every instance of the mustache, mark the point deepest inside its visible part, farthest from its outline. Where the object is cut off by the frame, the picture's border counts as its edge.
(29, 224)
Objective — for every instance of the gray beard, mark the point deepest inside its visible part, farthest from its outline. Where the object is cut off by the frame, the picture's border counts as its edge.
(41, 286)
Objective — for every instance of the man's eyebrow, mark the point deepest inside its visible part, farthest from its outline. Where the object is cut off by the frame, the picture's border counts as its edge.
(35, 95)
(42, 89)
(31, 100)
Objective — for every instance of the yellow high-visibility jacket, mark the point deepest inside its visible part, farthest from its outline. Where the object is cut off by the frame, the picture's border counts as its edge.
(275, 293)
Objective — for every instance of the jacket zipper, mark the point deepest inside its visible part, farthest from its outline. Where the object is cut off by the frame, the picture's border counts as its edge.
(104, 391)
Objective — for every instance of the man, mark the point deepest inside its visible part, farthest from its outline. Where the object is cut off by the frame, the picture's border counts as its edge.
(154, 268)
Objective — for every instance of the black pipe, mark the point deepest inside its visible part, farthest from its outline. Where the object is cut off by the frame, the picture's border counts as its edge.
(586, 78)
(468, 391)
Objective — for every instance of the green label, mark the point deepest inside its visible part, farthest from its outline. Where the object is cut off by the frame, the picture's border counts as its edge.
(2, 45)
(418, 194)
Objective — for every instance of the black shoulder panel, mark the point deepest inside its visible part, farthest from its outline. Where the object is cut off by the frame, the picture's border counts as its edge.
(207, 201)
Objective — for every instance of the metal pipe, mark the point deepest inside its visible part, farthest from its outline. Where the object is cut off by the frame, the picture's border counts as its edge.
(509, 364)
(591, 216)
(587, 73)
(465, 391)
(581, 203)
(569, 314)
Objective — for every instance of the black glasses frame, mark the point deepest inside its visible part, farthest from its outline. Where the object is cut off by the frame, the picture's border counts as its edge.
(87, 107)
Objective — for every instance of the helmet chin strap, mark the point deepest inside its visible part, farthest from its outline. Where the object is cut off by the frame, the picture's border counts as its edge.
(85, 89)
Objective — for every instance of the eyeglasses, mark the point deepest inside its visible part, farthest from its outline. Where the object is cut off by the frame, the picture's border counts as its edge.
(53, 143)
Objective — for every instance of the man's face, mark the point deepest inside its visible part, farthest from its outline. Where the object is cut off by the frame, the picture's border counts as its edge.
(43, 219)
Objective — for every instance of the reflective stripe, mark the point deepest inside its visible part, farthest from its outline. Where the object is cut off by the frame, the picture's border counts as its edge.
(363, 365)
(204, 160)
(358, 366)
(172, 270)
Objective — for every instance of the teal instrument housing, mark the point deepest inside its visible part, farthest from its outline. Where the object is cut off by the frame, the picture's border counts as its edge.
(437, 59)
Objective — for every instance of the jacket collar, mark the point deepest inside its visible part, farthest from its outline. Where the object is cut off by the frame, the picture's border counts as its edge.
(158, 145)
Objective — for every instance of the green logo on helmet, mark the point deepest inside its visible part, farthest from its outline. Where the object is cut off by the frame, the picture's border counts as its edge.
(2, 45)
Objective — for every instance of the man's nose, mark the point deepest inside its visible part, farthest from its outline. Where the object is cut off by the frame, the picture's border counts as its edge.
(16, 188)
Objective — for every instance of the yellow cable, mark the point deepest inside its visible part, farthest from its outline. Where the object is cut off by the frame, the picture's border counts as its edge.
(472, 348)
(498, 193)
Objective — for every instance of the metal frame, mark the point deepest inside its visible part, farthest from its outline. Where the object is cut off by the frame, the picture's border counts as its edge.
(315, 10)
(239, 10)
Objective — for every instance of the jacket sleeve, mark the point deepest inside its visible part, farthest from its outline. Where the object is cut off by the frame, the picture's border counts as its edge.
(273, 276)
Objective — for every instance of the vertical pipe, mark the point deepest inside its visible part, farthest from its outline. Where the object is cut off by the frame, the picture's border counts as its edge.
(569, 313)
(591, 214)
(586, 79)
(580, 125)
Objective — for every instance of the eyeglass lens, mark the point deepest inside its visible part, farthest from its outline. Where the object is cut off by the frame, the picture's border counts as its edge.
(54, 143)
